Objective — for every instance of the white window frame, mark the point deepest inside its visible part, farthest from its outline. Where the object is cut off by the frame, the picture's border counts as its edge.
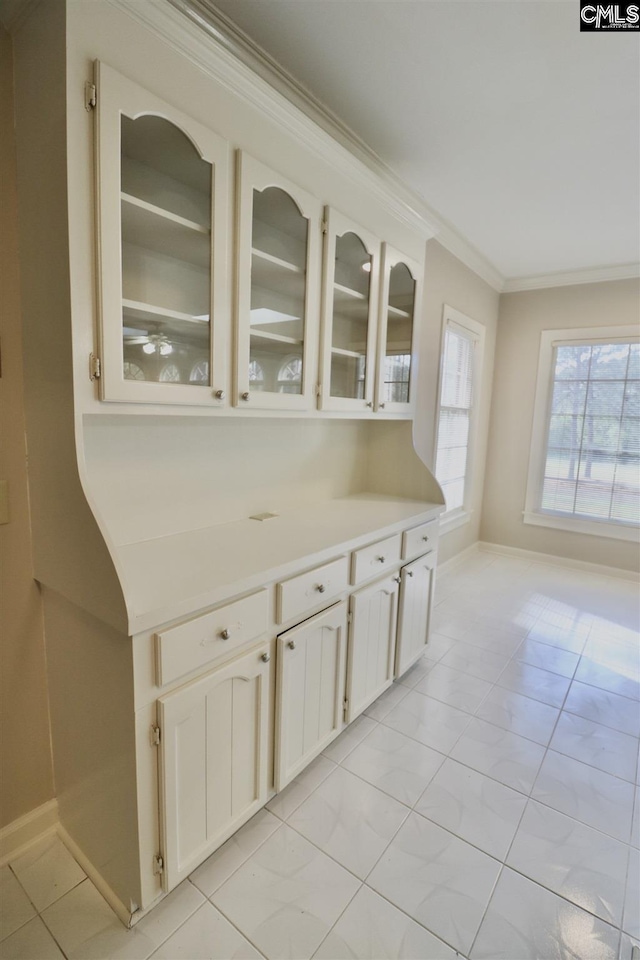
(533, 514)
(452, 318)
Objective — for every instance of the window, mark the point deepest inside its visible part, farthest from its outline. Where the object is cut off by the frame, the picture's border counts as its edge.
(584, 472)
(460, 368)
(397, 367)
(290, 376)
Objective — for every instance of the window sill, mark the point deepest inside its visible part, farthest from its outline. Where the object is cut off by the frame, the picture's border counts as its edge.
(453, 520)
(595, 528)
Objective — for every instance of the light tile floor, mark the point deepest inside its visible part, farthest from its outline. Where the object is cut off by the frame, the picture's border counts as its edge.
(486, 806)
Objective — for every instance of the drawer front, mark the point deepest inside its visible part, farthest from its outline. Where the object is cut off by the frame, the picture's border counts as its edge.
(420, 539)
(308, 591)
(199, 641)
(377, 558)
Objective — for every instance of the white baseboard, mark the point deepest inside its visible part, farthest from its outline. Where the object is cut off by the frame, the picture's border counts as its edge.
(18, 836)
(549, 558)
(97, 880)
(459, 558)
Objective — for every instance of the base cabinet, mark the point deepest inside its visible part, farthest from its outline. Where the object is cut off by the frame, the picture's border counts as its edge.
(219, 734)
(416, 595)
(309, 690)
(214, 759)
(372, 644)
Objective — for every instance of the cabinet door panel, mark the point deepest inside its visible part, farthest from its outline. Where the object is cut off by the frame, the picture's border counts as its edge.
(416, 596)
(400, 304)
(350, 304)
(277, 290)
(310, 690)
(372, 644)
(163, 214)
(214, 759)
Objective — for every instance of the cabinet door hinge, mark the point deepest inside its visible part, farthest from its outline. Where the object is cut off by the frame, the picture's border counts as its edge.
(345, 708)
(349, 617)
(155, 736)
(94, 367)
(318, 389)
(158, 864)
(90, 96)
(324, 225)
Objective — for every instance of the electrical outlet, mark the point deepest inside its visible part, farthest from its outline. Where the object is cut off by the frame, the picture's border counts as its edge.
(4, 501)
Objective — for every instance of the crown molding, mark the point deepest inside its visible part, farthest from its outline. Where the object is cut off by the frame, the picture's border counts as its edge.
(451, 240)
(219, 48)
(623, 271)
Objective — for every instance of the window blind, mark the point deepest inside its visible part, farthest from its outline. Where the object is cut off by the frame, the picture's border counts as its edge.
(456, 400)
(592, 466)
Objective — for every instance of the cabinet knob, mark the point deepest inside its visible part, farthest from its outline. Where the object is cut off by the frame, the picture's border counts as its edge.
(398, 579)
(291, 644)
(224, 634)
(265, 657)
(425, 539)
(219, 394)
(380, 559)
(381, 405)
(321, 588)
(368, 403)
(245, 395)
(409, 573)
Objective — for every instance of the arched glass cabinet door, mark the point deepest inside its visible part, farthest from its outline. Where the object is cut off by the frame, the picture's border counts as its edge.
(164, 305)
(351, 276)
(278, 291)
(400, 297)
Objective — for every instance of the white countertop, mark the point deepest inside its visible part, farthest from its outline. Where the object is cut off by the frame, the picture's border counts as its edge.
(178, 575)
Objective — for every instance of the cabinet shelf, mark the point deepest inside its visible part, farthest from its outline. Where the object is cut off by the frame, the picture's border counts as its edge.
(148, 311)
(345, 294)
(279, 338)
(339, 352)
(350, 304)
(153, 228)
(397, 312)
(276, 275)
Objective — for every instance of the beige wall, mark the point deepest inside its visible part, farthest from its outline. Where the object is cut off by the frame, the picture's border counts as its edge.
(522, 318)
(26, 776)
(447, 280)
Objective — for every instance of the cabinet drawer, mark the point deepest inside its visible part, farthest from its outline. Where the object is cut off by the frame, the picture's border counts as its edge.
(375, 558)
(306, 592)
(199, 641)
(420, 539)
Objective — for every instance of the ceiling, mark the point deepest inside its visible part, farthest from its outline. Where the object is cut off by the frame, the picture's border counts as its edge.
(520, 132)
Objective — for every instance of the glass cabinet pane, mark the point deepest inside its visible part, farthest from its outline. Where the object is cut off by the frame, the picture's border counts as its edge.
(350, 326)
(165, 204)
(278, 286)
(397, 357)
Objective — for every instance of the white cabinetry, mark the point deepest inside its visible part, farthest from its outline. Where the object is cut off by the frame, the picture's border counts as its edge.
(416, 595)
(158, 581)
(278, 290)
(309, 690)
(214, 748)
(372, 643)
(163, 194)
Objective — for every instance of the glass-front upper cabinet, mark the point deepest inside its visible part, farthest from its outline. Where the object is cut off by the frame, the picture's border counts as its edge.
(163, 184)
(277, 293)
(350, 298)
(400, 293)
